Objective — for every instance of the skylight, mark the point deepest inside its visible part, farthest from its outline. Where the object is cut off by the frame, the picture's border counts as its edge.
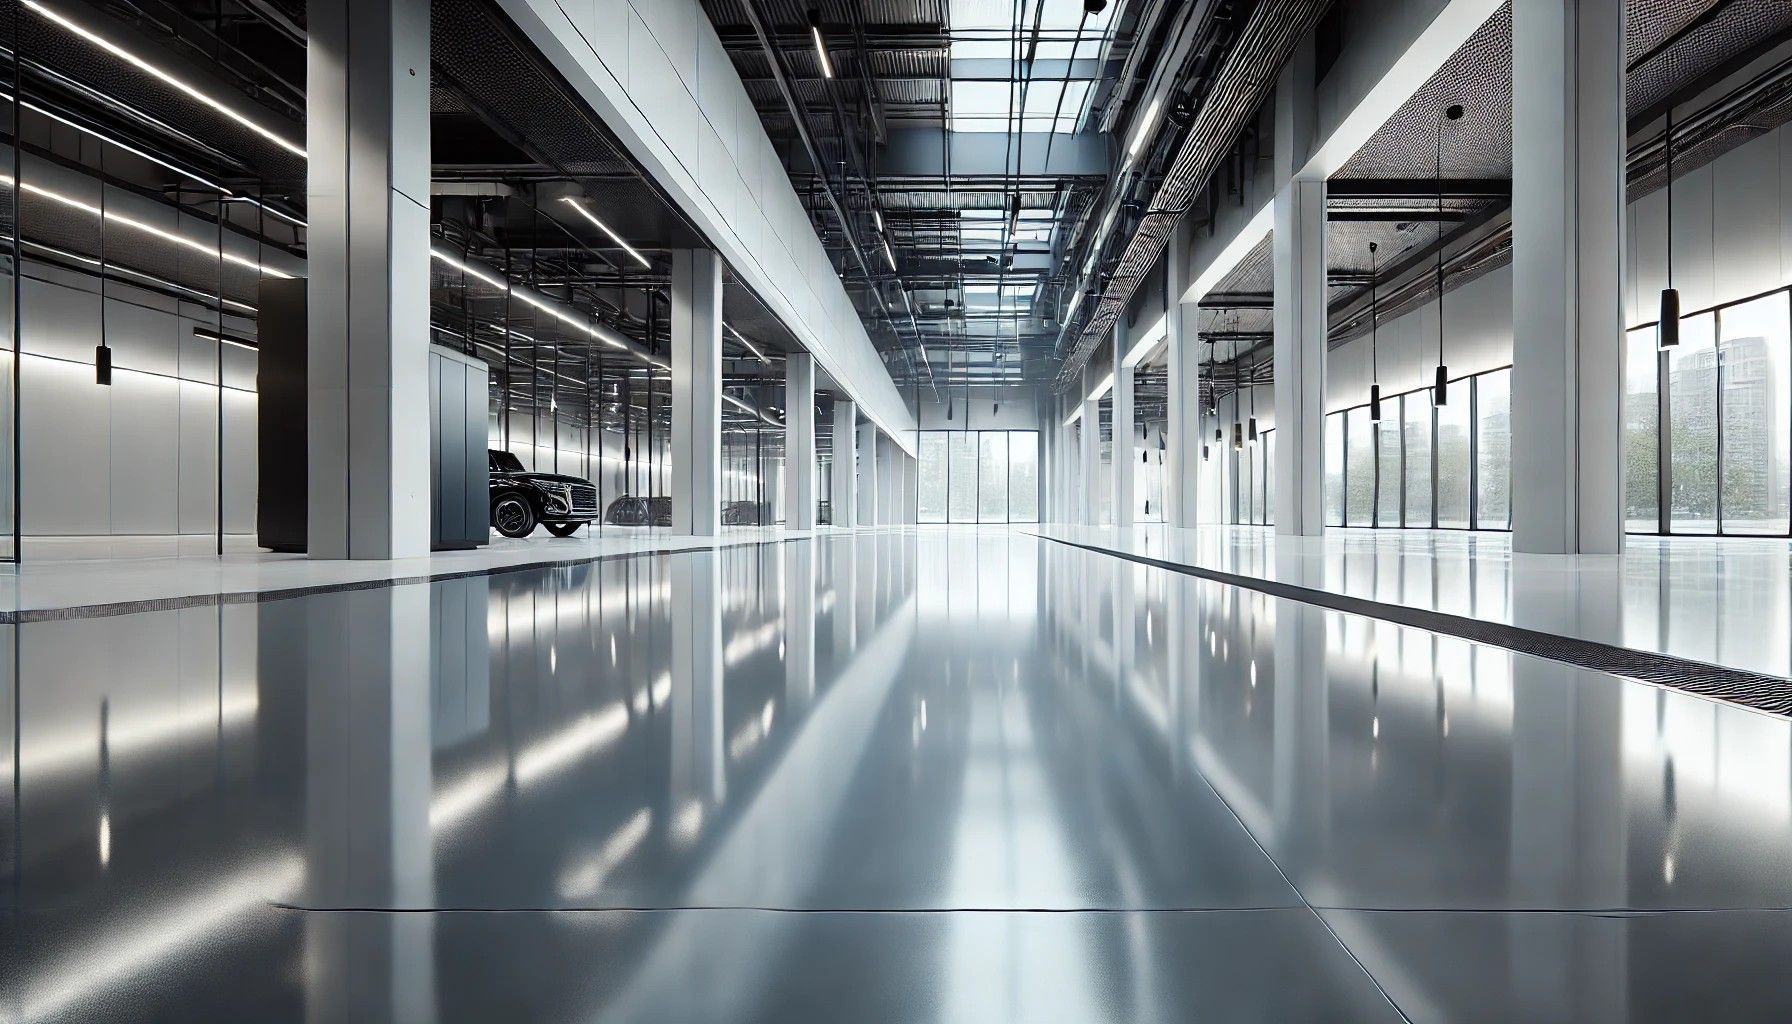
(987, 29)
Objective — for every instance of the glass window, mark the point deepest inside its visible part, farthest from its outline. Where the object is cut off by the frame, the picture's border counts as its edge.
(1493, 450)
(1023, 476)
(1387, 443)
(1692, 419)
(1642, 438)
(1334, 469)
(1452, 459)
(930, 496)
(1359, 468)
(1415, 418)
(1752, 370)
(992, 477)
(961, 482)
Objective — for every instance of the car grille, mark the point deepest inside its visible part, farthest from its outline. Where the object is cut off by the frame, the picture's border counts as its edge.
(584, 500)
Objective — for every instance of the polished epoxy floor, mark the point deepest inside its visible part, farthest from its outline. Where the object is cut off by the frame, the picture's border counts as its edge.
(954, 776)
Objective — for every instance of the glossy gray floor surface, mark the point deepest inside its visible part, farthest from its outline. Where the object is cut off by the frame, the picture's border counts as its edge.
(955, 776)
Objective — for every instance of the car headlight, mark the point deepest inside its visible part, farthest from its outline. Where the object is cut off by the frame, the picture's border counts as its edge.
(559, 496)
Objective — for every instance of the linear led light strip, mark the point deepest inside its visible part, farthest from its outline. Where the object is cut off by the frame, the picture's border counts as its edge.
(119, 268)
(750, 346)
(605, 228)
(158, 161)
(602, 334)
(150, 69)
(148, 229)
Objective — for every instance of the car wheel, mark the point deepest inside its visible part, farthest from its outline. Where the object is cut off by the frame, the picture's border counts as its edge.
(563, 529)
(513, 516)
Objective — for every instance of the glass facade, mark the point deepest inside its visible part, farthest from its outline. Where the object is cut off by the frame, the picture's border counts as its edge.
(1424, 467)
(1708, 423)
(978, 476)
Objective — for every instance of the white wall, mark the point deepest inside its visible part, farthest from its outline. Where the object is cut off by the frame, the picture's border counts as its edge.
(656, 73)
(139, 457)
(1478, 325)
(1018, 409)
(1732, 231)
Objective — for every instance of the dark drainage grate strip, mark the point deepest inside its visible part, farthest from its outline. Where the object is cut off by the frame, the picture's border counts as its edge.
(1762, 692)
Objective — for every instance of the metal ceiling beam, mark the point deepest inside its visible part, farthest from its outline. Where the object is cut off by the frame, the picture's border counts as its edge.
(1418, 188)
(801, 124)
(919, 153)
(1002, 69)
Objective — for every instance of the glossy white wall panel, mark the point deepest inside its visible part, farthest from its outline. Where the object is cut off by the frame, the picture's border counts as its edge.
(241, 459)
(674, 26)
(144, 457)
(57, 321)
(141, 339)
(197, 475)
(1746, 212)
(65, 448)
(1478, 318)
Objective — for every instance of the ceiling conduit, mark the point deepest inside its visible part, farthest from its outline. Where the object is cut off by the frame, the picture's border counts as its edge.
(1240, 89)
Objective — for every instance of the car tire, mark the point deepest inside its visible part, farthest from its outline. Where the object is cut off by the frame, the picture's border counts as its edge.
(563, 529)
(513, 515)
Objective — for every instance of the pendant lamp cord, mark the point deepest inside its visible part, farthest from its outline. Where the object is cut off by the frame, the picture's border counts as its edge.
(1667, 142)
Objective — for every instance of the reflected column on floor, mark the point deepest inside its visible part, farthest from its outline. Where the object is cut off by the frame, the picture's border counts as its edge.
(698, 778)
(1570, 830)
(842, 556)
(1300, 689)
(799, 624)
(364, 666)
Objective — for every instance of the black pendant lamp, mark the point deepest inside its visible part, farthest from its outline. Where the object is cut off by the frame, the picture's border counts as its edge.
(1441, 389)
(1374, 349)
(1252, 378)
(1667, 327)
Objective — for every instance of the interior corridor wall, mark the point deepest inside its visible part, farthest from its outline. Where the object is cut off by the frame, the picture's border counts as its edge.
(139, 457)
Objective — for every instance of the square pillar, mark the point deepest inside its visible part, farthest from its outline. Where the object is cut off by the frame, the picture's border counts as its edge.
(843, 498)
(1300, 318)
(1183, 350)
(1567, 276)
(1089, 472)
(696, 469)
(367, 192)
(799, 441)
(1125, 470)
(867, 447)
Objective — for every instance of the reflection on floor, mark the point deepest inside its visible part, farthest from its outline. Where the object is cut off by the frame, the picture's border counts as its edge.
(934, 776)
(1723, 602)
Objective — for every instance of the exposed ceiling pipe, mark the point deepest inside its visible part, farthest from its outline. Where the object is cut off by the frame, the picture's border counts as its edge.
(800, 122)
(1245, 80)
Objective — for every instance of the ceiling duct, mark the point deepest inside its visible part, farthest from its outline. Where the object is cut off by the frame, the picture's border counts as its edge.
(1239, 90)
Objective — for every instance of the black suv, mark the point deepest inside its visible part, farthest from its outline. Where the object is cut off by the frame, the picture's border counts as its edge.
(521, 499)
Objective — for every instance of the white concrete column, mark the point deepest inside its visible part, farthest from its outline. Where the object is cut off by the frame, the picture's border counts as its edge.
(1089, 472)
(868, 480)
(1125, 471)
(843, 497)
(696, 468)
(799, 441)
(367, 402)
(1567, 276)
(1183, 351)
(1300, 310)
